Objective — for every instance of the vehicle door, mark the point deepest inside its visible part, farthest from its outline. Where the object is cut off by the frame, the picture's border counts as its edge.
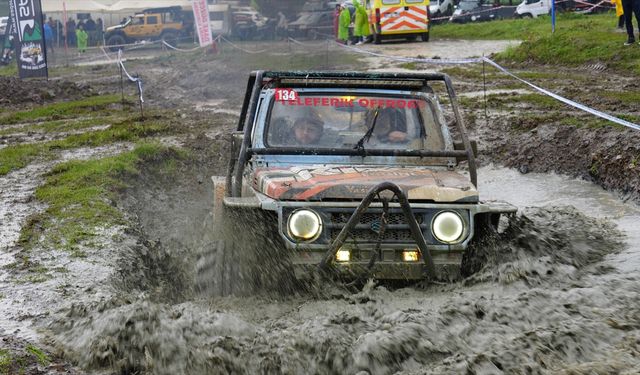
(135, 29)
(153, 25)
(401, 16)
(170, 21)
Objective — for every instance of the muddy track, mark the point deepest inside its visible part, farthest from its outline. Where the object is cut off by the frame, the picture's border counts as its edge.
(552, 295)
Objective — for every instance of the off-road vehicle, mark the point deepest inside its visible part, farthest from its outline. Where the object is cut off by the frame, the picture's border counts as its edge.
(350, 174)
(166, 24)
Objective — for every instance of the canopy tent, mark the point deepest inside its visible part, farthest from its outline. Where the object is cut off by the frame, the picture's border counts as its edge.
(133, 5)
(73, 6)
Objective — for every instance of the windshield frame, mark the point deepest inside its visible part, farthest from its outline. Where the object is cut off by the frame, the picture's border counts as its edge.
(265, 130)
(305, 155)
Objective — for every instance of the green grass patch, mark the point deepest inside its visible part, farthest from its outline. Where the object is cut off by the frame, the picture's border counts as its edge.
(626, 97)
(63, 125)
(6, 360)
(41, 357)
(80, 196)
(16, 363)
(579, 39)
(10, 70)
(62, 109)
(18, 156)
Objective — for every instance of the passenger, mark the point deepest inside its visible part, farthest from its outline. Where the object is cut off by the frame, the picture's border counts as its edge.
(308, 130)
(390, 125)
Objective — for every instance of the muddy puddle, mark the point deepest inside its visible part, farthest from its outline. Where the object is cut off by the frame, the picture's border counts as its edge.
(558, 294)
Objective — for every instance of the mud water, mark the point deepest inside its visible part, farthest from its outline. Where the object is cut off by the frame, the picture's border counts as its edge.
(557, 293)
(552, 298)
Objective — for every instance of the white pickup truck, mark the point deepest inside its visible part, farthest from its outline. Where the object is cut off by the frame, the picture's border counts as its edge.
(439, 8)
(533, 8)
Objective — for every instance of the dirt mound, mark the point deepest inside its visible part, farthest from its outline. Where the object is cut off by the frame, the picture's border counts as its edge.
(15, 91)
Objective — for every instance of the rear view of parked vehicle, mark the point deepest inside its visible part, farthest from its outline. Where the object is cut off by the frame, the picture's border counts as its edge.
(394, 19)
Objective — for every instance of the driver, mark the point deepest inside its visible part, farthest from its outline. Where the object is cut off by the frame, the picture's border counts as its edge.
(309, 129)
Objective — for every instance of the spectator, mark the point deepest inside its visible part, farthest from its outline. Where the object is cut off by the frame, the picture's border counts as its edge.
(361, 27)
(60, 34)
(282, 26)
(631, 7)
(100, 31)
(336, 21)
(71, 32)
(619, 13)
(82, 38)
(48, 40)
(90, 28)
(345, 21)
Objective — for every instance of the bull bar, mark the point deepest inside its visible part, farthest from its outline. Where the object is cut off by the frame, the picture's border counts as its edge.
(324, 264)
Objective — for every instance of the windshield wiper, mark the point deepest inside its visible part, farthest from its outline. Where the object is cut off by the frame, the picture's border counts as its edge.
(365, 138)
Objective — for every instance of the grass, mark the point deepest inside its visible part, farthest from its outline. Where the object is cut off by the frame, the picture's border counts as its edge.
(18, 156)
(62, 109)
(626, 97)
(16, 363)
(579, 39)
(10, 70)
(80, 195)
(63, 125)
(41, 357)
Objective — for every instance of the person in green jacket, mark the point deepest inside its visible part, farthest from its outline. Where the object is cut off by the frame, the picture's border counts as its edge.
(343, 26)
(82, 37)
(361, 27)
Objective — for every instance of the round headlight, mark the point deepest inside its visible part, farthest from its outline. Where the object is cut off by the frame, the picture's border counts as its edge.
(304, 225)
(447, 227)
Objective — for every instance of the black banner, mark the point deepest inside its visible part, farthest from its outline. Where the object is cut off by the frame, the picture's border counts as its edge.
(30, 50)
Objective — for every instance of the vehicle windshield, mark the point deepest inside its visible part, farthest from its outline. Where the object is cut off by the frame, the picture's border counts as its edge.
(353, 122)
(468, 5)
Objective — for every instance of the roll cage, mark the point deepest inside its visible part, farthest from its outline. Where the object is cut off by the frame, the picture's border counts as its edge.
(274, 79)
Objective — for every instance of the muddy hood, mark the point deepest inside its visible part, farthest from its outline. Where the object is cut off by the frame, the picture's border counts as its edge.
(339, 183)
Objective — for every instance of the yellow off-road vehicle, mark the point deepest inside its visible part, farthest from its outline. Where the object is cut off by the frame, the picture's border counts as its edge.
(166, 24)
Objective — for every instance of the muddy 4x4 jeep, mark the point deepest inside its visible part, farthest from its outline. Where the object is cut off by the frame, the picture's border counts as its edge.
(166, 24)
(348, 172)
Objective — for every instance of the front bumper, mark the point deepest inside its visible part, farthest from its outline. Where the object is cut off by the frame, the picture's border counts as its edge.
(447, 267)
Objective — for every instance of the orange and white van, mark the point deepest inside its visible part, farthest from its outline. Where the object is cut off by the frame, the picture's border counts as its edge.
(392, 19)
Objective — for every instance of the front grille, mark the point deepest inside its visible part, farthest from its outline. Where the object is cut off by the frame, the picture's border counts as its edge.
(397, 230)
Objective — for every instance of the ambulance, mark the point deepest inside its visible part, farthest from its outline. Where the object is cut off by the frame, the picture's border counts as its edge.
(395, 19)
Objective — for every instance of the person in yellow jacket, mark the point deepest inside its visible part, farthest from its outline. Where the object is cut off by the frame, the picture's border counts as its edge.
(619, 13)
(361, 28)
(82, 37)
(344, 22)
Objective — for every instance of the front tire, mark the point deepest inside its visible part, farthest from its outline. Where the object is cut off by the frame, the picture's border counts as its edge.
(377, 38)
(115, 42)
(170, 37)
(425, 36)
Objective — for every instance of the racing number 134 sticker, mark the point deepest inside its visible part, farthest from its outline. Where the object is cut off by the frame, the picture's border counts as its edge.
(285, 95)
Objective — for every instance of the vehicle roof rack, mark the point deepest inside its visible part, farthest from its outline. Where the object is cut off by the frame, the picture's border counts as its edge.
(352, 79)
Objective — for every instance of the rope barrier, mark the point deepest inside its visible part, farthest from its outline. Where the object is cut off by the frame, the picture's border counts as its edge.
(240, 48)
(576, 105)
(215, 40)
(136, 80)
